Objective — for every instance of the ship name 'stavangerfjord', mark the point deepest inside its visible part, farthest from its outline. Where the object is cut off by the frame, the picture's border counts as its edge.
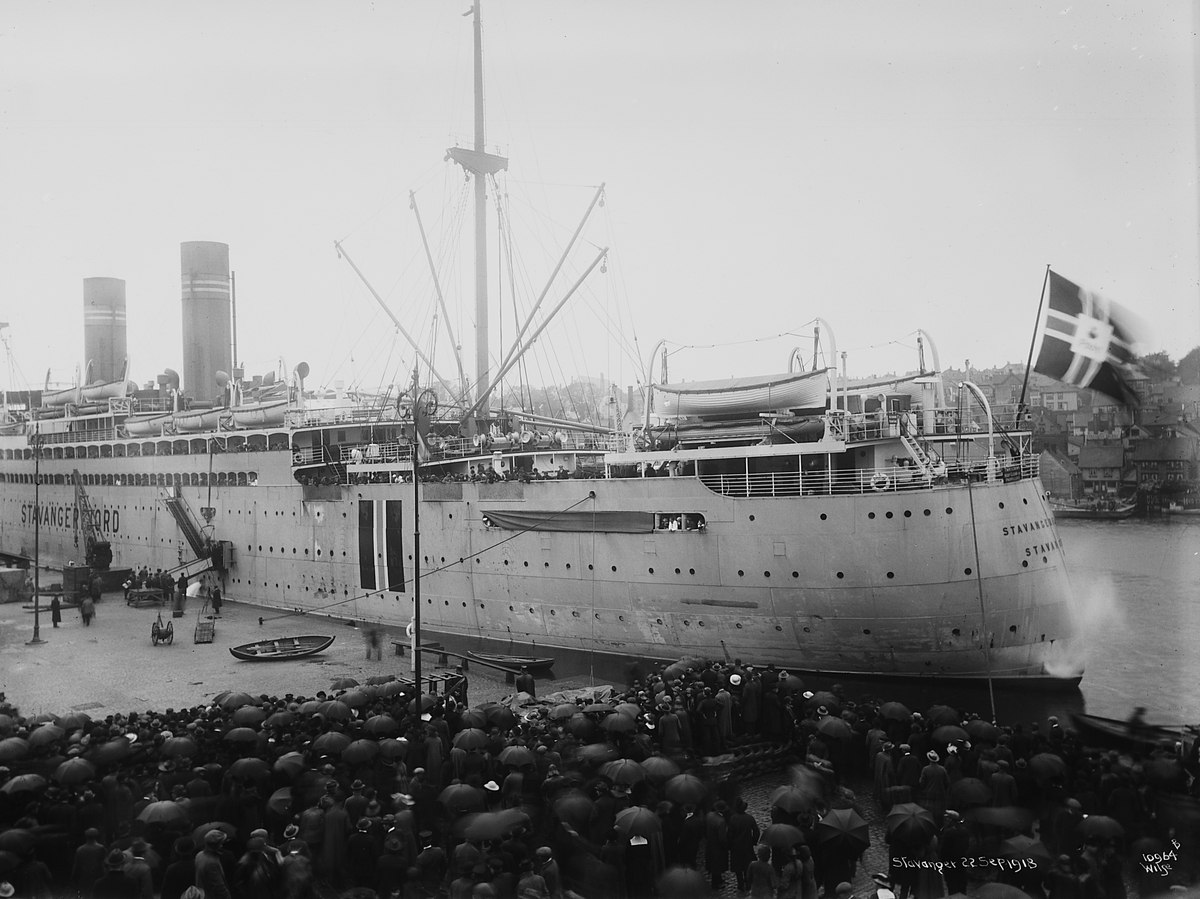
(883, 527)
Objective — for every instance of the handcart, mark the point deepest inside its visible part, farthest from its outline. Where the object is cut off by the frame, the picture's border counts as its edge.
(161, 632)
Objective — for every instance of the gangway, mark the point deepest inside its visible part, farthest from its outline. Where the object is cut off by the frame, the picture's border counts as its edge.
(179, 510)
(97, 550)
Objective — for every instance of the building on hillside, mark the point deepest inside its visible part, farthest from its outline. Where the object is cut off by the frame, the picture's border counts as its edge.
(1060, 476)
(1100, 466)
(1165, 460)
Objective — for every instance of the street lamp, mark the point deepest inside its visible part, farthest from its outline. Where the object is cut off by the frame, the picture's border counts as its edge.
(37, 528)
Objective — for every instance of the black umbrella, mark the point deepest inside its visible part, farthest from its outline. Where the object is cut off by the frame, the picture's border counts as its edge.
(575, 809)
(679, 882)
(1100, 826)
(968, 792)
(981, 730)
(250, 768)
(471, 738)
(941, 714)
(1026, 848)
(791, 799)
(637, 821)
(948, 733)
(894, 711)
(910, 823)
(781, 836)
(843, 826)
(460, 798)
(685, 788)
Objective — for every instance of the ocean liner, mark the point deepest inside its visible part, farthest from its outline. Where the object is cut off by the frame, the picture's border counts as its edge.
(888, 527)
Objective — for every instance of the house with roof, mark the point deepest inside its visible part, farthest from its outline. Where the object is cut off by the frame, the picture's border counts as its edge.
(1100, 466)
(1060, 476)
(1165, 460)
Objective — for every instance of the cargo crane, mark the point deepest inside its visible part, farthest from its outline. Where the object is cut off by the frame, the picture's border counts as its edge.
(97, 551)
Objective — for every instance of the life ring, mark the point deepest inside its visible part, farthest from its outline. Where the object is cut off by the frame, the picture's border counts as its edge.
(880, 483)
(297, 459)
(477, 439)
(526, 436)
(410, 630)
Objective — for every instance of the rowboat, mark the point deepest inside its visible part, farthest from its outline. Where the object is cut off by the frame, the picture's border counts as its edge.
(533, 663)
(282, 648)
(1096, 731)
(1094, 512)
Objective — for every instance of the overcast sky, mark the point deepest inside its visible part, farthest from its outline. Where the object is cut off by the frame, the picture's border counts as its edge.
(886, 166)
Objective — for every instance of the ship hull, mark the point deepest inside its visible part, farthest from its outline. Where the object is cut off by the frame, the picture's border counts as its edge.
(874, 584)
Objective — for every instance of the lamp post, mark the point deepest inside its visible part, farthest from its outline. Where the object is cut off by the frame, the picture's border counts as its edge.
(37, 528)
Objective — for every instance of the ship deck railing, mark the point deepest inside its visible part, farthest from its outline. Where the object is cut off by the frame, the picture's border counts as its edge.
(867, 480)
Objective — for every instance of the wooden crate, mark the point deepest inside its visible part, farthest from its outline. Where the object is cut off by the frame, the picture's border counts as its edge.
(204, 632)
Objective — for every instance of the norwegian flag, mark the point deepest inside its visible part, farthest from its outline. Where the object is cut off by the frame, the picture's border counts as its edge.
(1088, 341)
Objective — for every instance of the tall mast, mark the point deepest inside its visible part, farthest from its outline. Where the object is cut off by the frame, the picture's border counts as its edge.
(480, 163)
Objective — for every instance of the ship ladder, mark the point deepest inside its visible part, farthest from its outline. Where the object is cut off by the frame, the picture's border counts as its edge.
(929, 466)
(191, 532)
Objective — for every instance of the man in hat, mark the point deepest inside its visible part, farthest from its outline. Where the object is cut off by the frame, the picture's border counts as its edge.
(210, 873)
(954, 842)
(361, 855)
(137, 867)
(716, 843)
(181, 872)
(334, 844)
(390, 866)
(546, 866)
(883, 887)
(115, 883)
(257, 871)
(89, 863)
(933, 785)
(884, 770)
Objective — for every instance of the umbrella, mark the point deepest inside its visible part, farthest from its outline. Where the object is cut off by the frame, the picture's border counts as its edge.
(427, 702)
(618, 723)
(685, 788)
(250, 768)
(563, 710)
(1027, 848)
(23, 783)
(844, 827)
(360, 752)
(291, 764)
(997, 890)
(335, 709)
(978, 729)
(331, 743)
(74, 771)
(471, 738)
(379, 680)
(781, 836)
(17, 840)
(9, 862)
(393, 749)
(948, 733)
(632, 709)
(233, 701)
(168, 814)
(501, 717)
(791, 799)
(599, 708)
(461, 798)
(1010, 817)
(45, 735)
(280, 719)
(679, 882)
(382, 726)
(941, 714)
(1101, 826)
(967, 792)
(596, 753)
(575, 809)
(13, 749)
(910, 823)
(178, 748)
(74, 721)
(659, 768)
(224, 826)
(623, 771)
(1047, 765)
(517, 756)
(474, 718)
(481, 826)
(356, 699)
(249, 716)
(310, 707)
(894, 711)
(392, 688)
(242, 735)
(581, 726)
(344, 683)
(281, 802)
(822, 698)
(637, 821)
(834, 728)
(112, 751)
(1166, 774)
(792, 684)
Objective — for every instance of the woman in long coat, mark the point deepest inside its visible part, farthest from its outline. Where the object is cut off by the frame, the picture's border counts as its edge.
(55, 612)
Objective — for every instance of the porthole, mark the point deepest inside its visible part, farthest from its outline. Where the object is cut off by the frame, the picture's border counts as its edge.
(1012, 628)
(840, 575)
(590, 568)
(620, 617)
(506, 561)
(547, 565)
(807, 631)
(677, 571)
(464, 605)
(908, 513)
(778, 628)
(871, 515)
(751, 517)
(686, 623)
(766, 574)
(531, 611)
(701, 623)
(966, 571)
(888, 515)
(795, 574)
(659, 620)
(741, 573)
(568, 566)
(738, 625)
(511, 609)
(927, 513)
(651, 570)
(526, 564)
(553, 613)
(867, 631)
(1024, 563)
(891, 574)
(1025, 501)
(614, 568)
(956, 632)
(1044, 559)
(1001, 505)
(691, 571)
(949, 511)
(824, 516)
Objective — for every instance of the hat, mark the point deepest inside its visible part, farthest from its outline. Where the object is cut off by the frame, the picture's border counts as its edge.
(932, 755)
(904, 747)
(364, 823)
(289, 832)
(255, 844)
(735, 680)
(543, 853)
(184, 846)
(168, 765)
(373, 809)
(808, 694)
(844, 889)
(952, 814)
(6, 890)
(881, 880)
(214, 838)
(492, 785)
(821, 710)
(952, 748)
(393, 844)
(358, 785)
(115, 860)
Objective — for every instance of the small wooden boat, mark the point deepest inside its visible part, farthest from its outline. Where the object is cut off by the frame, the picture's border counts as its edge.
(533, 663)
(1109, 732)
(151, 424)
(282, 648)
(260, 415)
(1108, 512)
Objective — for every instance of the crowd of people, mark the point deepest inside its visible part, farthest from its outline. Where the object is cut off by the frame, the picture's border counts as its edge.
(368, 791)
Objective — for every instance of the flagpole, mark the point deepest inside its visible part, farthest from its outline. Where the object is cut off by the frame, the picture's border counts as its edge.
(416, 476)
(1032, 344)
